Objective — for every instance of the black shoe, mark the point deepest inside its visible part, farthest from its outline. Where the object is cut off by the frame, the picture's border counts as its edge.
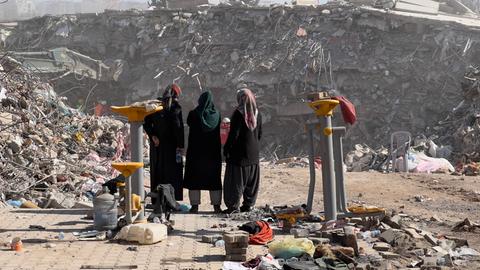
(245, 208)
(217, 209)
(229, 211)
(194, 209)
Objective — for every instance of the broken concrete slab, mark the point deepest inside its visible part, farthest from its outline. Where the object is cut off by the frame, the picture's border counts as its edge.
(413, 233)
(431, 239)
(459, 242)
(350, 238)
(379, 246)
(389, 255)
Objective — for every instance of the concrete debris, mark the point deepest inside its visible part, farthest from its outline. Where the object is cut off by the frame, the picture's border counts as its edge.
(50, 153)
(467, 226)
(397, 61)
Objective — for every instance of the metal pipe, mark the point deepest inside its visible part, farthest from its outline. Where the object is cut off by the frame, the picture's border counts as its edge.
(328, 170)
(128, 200)
(338, 133)
(311, 161)
(136, 139)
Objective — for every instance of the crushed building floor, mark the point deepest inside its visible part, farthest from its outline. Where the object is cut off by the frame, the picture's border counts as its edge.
(402, 70)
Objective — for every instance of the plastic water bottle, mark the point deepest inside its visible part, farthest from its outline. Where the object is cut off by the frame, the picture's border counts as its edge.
(220, 243)
(179, 158)
(61, 236)
(185, 208)
(370, 234)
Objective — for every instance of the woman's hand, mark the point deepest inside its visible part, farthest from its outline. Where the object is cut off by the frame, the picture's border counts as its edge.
(156, 141)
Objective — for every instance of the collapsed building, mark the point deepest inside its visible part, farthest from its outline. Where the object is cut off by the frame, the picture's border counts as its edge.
(401, 69)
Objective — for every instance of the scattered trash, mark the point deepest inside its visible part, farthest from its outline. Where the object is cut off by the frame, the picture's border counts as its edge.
(291, 247)
(16, 244)
(185, 208)
(220, 243)
(144, 234)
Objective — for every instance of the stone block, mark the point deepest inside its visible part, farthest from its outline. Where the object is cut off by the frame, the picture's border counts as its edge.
(236, 257)
(350, 239)
(60, 201)
(459, 242)
(300, 233)
(430, 261)
(236, 251)
(389, 255)
(389, 236)
(440, 250)
(236, 245)
(236, 237)
(413, 233)
(394, 222)
(382, 246)
(210, 239)
(362, 266)
(431, 239)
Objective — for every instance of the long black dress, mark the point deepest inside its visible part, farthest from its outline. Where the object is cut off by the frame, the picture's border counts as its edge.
(167, 125)
(204, 157)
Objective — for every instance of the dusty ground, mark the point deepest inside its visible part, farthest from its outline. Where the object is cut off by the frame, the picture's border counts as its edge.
(452, 199)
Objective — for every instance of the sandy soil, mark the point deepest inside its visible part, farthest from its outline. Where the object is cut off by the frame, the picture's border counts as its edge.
(450, 198)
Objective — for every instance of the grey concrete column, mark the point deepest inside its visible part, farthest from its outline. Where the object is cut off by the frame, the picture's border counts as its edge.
(328, 171)
(338, 133)
(311, 161)
(128, 200)
(136, 140)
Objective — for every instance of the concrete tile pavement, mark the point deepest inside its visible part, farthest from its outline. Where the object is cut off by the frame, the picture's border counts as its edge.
(182, 250)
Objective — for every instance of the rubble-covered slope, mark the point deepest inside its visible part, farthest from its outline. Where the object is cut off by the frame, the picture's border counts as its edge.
(49, 152)
(402, 72)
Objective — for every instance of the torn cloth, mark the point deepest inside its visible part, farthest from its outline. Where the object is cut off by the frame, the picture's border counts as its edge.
(348, 109)
(260, 232)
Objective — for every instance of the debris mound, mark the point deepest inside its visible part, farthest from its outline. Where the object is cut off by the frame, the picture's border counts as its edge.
(51, 153)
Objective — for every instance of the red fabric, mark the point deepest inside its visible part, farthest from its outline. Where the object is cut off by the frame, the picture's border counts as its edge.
(264, 236)
(176, 89)
(224, 130)
(348, 110)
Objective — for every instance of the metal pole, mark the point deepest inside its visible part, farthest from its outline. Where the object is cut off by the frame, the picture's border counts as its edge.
(311, 161)
(128, 200)
(136, 140)
(338, 133)
(328, 170)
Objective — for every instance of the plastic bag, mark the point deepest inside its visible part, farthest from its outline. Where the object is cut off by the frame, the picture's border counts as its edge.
(267, 262)
(291, 247)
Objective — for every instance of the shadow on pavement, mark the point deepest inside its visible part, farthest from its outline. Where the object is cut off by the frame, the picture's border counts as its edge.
(52, 211)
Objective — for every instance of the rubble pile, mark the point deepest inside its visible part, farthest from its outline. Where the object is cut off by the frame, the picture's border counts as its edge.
(50, 153)
(389, 241)
(461, 128)
(401, 71)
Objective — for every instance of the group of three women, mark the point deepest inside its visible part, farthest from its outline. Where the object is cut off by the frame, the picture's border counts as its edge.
(204, 154)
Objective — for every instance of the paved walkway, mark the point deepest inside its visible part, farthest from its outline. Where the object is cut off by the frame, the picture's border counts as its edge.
(182, 249)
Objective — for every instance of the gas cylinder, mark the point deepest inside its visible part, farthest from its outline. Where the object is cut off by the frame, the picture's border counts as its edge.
(105, 211)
